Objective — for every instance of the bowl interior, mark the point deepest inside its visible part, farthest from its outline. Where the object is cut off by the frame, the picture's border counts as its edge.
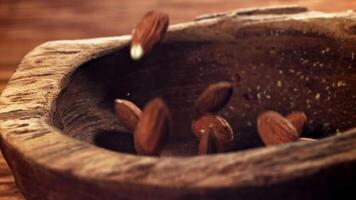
(271, 70)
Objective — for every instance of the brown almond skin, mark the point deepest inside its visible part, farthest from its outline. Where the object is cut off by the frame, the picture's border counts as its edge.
(153, 128)
(127, 113)
(220, 126)
(214, 97)
(150, 30)
(208, 143)
(298, 120)
(274, 129)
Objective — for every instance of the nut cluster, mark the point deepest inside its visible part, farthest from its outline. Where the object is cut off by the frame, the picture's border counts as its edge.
(275, 129)
(152, 126)
(214, 132)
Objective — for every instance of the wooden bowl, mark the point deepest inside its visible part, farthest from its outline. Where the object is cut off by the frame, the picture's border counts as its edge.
(62, 141)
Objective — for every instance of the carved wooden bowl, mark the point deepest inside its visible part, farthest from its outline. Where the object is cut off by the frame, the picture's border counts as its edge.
(62, 140)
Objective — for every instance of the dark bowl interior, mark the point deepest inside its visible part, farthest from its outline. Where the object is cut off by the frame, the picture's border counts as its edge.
(285, 72)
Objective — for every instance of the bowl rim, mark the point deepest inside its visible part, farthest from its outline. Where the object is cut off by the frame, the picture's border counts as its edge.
(26, 128)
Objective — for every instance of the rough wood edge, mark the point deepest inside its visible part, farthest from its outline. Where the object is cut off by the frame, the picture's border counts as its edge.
(26, 130)
(273, 10)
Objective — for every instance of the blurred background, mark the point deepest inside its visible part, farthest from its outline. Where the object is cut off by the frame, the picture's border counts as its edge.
(25, 24)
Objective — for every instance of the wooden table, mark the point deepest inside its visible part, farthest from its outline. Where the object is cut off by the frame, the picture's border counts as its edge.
(8, 188)
(25, 24)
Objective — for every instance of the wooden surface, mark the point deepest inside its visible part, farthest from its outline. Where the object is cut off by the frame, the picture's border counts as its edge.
(8, 189)
(25, 24)
(49, 164)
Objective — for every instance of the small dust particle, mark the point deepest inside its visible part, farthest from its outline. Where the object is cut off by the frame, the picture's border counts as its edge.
(317, 96)
(279, 83)
(338, 132)
(341, 83)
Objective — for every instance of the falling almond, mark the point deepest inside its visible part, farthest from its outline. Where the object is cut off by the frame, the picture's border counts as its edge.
(274, 129)
(208, 143)
(153, 128)
(298, 120)
(214, 97)
(221, 128)
(149, 31)
(127, 113)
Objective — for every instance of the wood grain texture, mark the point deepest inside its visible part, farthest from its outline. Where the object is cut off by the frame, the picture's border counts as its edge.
(8, 189)
(29, 23)
(25, 24)
(50, 165)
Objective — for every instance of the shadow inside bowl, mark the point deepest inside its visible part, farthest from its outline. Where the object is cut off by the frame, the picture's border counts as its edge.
(115, 141)
(285, 72)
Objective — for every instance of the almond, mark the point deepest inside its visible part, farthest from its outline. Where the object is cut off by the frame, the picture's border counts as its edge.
(127, 113)
(149, 31)
(202, 125)
(214, 97)
(208, 143)
(273, 129)
(153, 128)
(221, 128)
(298, 120)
